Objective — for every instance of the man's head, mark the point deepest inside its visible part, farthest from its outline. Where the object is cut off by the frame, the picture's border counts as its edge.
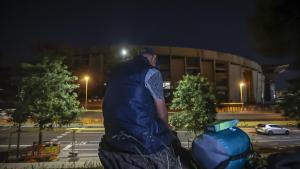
(150, 55)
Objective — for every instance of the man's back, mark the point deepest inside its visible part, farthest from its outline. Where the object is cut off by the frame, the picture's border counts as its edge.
(130, 118)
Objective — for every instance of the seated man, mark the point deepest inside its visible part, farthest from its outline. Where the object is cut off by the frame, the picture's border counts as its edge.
(137, 134)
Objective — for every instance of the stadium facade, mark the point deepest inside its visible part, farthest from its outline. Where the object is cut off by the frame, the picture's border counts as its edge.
(226, 71)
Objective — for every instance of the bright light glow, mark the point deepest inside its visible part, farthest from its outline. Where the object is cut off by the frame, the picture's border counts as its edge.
(86, 78)
(124, 52)
(167, 85)
(241, 91)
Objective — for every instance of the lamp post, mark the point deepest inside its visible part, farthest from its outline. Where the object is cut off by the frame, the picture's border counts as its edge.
(86, 78)
(241, 91)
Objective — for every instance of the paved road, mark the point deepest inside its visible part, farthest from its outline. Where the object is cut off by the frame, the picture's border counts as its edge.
(277, 141)
(28, 135)
(89, 148)
(87, 140)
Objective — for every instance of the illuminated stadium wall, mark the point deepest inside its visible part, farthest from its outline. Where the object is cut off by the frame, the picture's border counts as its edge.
(226, 71)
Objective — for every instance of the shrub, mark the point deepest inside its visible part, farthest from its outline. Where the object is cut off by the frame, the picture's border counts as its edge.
(195, 99)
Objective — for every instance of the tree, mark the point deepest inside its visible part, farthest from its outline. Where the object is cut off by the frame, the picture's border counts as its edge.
(289, 103)
(195, 99)
(49, 94)
(275, 28)
(19, 116)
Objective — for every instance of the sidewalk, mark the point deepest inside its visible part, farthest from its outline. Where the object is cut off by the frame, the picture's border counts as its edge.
(243, 123)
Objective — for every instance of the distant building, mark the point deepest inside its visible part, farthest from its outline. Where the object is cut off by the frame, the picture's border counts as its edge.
(88, 64)
(226, 71)
(271, 72)
(8, 90)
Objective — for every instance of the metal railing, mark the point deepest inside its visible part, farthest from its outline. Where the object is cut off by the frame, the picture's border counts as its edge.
(231, 107)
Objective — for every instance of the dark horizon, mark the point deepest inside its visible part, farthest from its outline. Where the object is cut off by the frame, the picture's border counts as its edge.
(220, 26)
(206, 25)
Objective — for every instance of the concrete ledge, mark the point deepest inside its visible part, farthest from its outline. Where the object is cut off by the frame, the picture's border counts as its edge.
(91, 162)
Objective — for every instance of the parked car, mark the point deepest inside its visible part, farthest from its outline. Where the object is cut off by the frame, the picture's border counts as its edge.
(271, 129)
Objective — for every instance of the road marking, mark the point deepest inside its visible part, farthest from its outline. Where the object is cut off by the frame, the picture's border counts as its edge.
(84, 149)
(67, 147)
(86, 132)
(70, 141)
(61, 136)
(66, 142)
(54, 139)
(82, 142)
(15, 145)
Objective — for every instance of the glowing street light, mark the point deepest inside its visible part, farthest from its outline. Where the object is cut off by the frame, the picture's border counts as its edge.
(124, 52)
(242, 84)
(86, 78)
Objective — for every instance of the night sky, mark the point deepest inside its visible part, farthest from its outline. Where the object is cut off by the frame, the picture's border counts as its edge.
(214, 24)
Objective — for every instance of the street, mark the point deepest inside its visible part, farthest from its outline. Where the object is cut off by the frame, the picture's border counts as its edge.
(87, 139)
(277, 141)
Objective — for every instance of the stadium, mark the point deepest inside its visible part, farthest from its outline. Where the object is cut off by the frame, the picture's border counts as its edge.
(236, 79)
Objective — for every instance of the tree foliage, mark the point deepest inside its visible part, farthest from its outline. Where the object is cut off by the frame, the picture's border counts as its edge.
(289, 103)
(275, 29)
(48, 93)
(195, 99)
(20, 115)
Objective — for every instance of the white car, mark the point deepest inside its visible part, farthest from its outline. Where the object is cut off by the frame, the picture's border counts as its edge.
(271, 129)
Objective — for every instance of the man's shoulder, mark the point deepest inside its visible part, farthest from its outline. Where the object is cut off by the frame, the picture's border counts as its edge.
(154, 83)
(152, 72)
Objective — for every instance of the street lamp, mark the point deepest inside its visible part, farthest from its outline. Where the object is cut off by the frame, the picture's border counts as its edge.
(241, 91)
(124, 52)
(86, 78)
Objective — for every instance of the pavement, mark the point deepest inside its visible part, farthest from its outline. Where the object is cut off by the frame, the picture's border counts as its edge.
(94, 118)
(87, 138)
(89, 162)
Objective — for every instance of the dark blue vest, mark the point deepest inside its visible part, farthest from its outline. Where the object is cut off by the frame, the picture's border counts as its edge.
(130, 118)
